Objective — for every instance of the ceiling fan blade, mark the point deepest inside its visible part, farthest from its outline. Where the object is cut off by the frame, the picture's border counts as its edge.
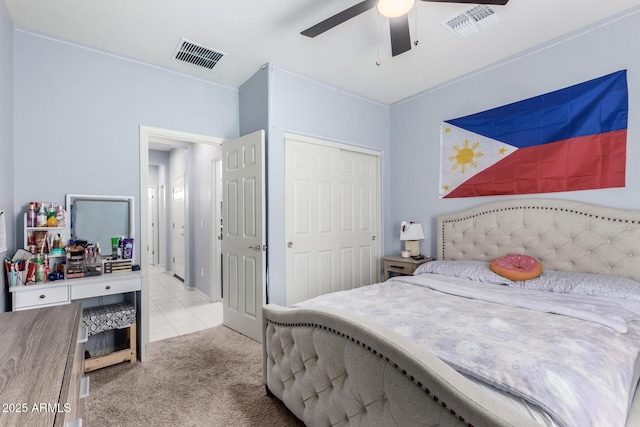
(339, 18)
(494, 2)
(400, 36)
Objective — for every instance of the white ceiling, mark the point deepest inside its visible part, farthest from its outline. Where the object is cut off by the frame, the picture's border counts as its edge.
(255, 32)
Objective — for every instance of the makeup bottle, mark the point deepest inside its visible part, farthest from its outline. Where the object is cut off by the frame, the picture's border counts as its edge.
(39, 270)
(41, 219)
(32, 215)
(60, 216)
(52, 221)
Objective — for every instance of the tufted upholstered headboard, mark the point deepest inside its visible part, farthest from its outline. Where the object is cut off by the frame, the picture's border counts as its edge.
(563, 234)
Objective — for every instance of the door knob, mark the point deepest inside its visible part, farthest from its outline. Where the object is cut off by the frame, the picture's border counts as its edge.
(256, 247)
(290, 244)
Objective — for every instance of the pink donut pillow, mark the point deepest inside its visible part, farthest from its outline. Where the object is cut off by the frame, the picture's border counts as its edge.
(517, 267)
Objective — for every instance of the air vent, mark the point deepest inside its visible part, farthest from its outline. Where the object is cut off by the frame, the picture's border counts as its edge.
(197, 54)
(472, 20)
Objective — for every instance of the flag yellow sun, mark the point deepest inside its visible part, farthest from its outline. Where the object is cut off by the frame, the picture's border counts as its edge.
(464, 156)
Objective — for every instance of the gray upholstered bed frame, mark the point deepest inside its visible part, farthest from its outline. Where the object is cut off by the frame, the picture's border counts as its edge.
(332, 368)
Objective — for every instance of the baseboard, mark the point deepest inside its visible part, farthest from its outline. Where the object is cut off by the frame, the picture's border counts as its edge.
(207, 297)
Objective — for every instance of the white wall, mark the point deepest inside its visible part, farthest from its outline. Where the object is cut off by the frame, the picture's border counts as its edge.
(178, 165)
(415, 123)
(200, 216)
(6, 141)
(160, 160)
(156, 180)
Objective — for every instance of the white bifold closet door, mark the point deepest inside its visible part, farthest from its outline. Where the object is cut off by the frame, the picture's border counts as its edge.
(332, 211)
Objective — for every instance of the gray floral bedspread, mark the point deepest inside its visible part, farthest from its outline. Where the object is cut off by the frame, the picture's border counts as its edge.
(574, 359)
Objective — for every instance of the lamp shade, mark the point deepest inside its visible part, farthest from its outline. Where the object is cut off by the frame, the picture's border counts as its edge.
(412, 231)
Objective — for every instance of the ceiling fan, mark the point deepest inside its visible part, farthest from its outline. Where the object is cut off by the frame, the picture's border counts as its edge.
(395, 10)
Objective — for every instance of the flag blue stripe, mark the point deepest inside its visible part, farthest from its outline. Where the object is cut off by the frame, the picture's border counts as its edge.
(592, 107)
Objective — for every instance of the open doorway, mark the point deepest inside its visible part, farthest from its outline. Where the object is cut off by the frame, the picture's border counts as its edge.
(192, 156)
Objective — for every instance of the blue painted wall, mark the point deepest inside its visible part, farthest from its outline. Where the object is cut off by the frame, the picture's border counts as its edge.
(6, 141)
(306, 107)
(415, 159)
(281, 101)
(70, 118)
(77, 114)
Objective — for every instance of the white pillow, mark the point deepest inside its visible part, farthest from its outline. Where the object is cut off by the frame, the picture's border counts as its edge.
(571, 282)
(478, 271)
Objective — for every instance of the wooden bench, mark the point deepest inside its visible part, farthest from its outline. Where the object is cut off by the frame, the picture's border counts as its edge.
(111, 317)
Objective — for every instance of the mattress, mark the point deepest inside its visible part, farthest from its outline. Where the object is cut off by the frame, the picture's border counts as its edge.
(519, 353)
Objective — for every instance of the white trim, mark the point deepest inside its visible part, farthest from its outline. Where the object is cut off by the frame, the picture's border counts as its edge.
(524, 54)
(332, 144)
(115, 55)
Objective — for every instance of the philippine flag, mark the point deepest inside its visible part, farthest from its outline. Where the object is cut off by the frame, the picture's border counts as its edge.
(570, 139)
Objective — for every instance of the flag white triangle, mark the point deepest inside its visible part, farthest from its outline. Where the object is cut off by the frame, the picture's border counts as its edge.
(464, 154)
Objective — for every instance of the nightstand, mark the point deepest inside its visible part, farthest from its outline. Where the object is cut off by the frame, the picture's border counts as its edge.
(395, 264)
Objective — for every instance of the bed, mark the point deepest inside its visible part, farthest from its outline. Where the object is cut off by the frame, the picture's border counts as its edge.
(374, 355)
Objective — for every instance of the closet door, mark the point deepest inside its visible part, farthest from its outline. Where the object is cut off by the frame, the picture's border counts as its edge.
(359, 206)
(331, 218)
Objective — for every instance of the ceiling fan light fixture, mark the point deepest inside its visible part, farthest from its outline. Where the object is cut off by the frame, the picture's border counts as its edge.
(395, 8)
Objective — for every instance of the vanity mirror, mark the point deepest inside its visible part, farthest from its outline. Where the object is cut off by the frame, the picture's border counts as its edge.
(96, 218)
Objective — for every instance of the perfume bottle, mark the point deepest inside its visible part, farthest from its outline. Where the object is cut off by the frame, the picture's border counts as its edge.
(41, 219)
(32, 215)
(61, 216)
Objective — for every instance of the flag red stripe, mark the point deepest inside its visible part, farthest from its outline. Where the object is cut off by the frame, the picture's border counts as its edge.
(583, 163)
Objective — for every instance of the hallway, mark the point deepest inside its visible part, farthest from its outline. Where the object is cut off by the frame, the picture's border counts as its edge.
(174, 311)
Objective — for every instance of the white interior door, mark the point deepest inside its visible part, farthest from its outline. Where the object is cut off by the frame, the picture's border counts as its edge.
(244, 234)
(162, 229)
(179, 237)
(331, 218)
(359, 207)
(216, 229)
(312, 213)
(152, 226)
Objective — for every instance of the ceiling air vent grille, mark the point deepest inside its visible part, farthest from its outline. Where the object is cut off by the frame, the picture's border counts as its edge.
(197, 54)
(472, 20)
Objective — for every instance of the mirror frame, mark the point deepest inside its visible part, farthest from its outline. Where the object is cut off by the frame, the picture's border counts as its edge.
(70, 198)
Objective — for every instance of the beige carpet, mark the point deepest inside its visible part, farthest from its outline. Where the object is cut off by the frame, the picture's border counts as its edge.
(208, 378)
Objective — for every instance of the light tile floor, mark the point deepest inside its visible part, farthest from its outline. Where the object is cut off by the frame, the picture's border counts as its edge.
(174, 310)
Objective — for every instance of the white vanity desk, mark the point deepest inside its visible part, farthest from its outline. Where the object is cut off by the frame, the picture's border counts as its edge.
(61, 292)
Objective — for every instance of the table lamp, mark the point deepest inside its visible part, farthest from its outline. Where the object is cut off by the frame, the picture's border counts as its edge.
(411, 233)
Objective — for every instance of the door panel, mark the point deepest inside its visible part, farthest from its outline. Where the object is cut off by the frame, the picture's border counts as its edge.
(331, 219)
(311, 218)
(216, 230)
(244, 234)
(152, 223)
(358, 174)
(179, 235)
